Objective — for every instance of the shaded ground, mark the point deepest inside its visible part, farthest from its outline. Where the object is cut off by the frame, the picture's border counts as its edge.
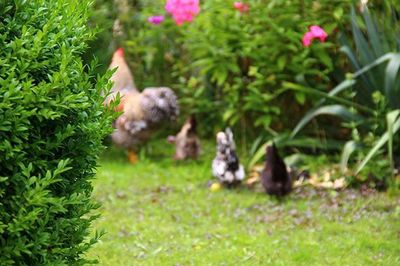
(161, 213)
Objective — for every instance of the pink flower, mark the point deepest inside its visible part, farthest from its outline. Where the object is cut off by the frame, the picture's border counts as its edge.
(155, 19)
(318, 32)
(241, 7)
(315, 32)
(307, 39)
(183, 10)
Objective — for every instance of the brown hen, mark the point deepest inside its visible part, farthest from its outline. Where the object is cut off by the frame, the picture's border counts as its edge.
(142, 112)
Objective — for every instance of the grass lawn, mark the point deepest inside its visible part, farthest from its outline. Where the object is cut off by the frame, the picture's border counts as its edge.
(159, 212)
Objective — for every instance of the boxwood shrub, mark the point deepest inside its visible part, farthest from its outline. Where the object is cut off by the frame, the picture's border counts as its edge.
(52, 123)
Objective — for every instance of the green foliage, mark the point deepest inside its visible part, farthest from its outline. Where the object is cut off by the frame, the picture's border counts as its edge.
(368, 99)
(228, 67)
(250, 70)
(52, 122)
(373, 39)
(241, 60)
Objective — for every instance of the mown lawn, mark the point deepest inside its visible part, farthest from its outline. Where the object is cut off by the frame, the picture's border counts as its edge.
(159, 212)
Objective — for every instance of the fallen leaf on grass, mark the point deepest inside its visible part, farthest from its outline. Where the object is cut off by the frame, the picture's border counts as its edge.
(323, 180)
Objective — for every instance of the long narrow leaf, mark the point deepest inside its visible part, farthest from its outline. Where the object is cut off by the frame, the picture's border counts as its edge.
(363, 47)
(392, 71)
(373, 33)
(384, 138)
(316, 92)
(347, 51)
(258, 155)
(348, 149)
(391, 118)
(339, 88)
(335, 110)
(375, 63)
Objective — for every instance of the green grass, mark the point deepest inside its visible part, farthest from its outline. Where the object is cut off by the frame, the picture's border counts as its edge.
(159, 212)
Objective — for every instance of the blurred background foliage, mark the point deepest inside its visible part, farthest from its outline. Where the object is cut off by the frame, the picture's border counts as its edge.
(251, 72)
(227, 67)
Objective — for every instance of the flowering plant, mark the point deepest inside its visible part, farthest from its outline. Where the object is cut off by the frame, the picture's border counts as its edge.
(183, 10)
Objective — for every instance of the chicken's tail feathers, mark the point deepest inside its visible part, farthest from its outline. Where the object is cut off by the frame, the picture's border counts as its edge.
(270, 148)
(192, 124)
(229, 135)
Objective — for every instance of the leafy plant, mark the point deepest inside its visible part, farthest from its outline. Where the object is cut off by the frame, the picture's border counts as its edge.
(368, 97)
(52, 123)
(346, 111)
(229, 67)
(378, 40)
(240, 62)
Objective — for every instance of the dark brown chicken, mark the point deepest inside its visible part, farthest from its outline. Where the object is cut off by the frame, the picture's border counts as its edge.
(274, 176)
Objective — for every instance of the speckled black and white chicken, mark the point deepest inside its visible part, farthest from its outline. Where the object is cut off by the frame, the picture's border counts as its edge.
(142, 112)
(226, 166)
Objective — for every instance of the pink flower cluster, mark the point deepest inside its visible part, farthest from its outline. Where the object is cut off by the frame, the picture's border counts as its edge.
(241, 7)
(315, 32)
(183, 10)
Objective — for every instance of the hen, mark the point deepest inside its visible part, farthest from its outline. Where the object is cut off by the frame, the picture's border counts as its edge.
(274, 177)
(186, 142)
(142, 112)
(225, 166)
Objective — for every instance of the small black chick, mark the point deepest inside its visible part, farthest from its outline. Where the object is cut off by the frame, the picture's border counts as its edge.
(274, 177)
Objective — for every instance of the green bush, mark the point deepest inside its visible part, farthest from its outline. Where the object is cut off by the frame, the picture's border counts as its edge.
(230, 68)
(52, 123)
(239, 62)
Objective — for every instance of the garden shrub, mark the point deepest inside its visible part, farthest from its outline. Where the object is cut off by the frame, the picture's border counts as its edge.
(240, 61)
(52, 123)
(227, 67)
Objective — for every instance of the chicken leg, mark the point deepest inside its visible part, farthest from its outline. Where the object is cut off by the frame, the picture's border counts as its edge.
(132, 156)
